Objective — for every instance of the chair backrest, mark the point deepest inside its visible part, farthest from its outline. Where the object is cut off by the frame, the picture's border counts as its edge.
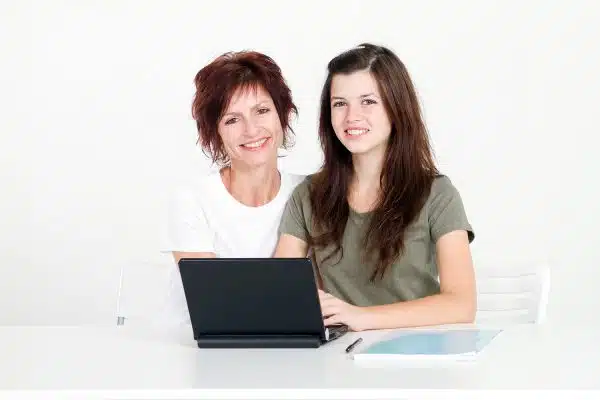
(145, 292)
(508, 296)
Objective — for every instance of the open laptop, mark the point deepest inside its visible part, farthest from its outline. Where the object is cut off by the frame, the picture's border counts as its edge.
(254, 302)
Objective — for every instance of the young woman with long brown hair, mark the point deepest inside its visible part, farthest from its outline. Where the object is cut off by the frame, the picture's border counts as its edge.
(388, 233)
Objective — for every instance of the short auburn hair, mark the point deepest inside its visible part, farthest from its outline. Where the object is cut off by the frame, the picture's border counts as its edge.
(216, 84)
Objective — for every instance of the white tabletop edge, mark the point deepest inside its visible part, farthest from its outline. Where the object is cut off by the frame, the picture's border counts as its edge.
(285, 394)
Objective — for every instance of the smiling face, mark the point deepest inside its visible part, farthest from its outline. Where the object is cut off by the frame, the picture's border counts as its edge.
(358, 114)
(250, 128)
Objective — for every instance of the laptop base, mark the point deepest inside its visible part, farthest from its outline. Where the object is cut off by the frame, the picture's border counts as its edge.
(258, 341)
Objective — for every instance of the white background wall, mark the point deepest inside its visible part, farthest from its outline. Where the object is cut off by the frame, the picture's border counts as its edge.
(96, 128)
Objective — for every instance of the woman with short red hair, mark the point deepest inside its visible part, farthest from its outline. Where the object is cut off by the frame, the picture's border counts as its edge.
(242, 109)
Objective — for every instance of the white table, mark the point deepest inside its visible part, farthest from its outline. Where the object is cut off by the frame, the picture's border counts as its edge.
(121, 362)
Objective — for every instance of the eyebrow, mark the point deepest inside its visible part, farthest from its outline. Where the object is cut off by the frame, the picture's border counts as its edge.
(262, 102)
(361, 96)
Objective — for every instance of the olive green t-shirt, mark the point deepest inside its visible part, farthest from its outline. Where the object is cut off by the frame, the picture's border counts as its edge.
(413, 275)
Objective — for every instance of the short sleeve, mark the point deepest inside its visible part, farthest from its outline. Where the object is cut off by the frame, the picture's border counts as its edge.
(187, 226)
(446, 210)
(293, 220)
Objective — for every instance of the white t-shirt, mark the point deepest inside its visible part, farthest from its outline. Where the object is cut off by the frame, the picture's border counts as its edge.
(205, 217)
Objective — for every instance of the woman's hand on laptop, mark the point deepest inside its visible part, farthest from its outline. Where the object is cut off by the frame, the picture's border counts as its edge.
(336, 311)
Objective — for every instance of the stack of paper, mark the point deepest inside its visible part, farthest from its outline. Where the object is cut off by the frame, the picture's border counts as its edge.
(462, 344)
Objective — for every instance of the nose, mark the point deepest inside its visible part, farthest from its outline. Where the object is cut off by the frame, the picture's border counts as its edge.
(253, 127)
(353, 113)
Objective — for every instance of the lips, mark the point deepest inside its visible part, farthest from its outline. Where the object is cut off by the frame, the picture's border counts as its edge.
(255, 145)
(355, 132)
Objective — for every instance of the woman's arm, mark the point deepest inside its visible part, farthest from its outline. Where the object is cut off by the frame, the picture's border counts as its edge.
(293, 231)
(189, 234)
(290, 247)
(456, 302)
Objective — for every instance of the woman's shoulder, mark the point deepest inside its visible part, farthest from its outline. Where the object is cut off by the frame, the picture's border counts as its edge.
(302, 187)
(446, 209)
(200, 182)
(197, 188)
(442, 185)
(292, 179)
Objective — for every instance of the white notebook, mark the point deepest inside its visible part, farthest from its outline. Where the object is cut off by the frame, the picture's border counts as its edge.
(461, 344)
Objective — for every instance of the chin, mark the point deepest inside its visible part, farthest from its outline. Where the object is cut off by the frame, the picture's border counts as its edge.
(260, 160)
(359, 148)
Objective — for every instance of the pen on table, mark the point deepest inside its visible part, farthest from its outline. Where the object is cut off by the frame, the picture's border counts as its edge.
(353, 345)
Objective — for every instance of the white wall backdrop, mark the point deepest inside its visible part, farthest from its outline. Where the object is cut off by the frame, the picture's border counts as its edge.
(96, 128)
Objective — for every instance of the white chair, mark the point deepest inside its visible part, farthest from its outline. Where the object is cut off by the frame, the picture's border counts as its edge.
(147, 293)
(509, 296)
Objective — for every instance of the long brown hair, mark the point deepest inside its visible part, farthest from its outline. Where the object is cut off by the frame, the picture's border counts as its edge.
(408, 170)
